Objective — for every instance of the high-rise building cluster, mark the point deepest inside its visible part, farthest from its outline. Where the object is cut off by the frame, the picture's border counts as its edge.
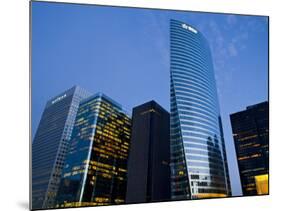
(88, 150)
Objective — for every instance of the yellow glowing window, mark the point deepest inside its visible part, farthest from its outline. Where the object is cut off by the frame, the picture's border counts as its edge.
(255, 155)
(122, 170)
(101, 199)
(248, 137)
(210, 195)
(243, 158)
(181, 173)
(256, 145)
(262, 184)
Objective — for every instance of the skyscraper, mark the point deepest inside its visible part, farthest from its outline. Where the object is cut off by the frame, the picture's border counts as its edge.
(50, 145)
(149, 157)
(250, 133)
(96, 166)
(198, 158)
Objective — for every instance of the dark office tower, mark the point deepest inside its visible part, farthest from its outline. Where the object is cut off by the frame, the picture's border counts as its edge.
(198, 157)
(50, 144)
(250, 133)
(96, 165)
(149, 158)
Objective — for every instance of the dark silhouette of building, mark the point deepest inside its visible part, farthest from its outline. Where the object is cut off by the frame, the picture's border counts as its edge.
(149, 157)
(250, 133)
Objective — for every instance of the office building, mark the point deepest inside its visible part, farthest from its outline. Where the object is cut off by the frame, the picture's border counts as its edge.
(198, 158)
(50, 145)
(250, 134)
(95, 172)
(149, 157)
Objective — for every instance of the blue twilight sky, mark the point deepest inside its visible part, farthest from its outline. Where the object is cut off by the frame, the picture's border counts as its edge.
(124, 53)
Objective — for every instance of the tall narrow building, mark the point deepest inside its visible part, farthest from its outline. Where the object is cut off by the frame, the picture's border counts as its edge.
(149, 157)
(198, 158)
(50, 145)
(250, 133)
(96, 165)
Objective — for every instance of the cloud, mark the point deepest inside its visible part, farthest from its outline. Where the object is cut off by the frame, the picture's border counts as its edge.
(258, 24)
(232, 49)
(218, 44)
(240, 40)
(153, 24)
(231, 19)
(226, 42)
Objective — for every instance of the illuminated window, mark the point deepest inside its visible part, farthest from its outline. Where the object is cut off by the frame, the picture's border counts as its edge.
(262, 184)
(181, 173)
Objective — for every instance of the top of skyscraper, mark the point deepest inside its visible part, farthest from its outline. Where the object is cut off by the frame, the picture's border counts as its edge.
(257, 105)
(105, 97)
(189, 28)
(153, 103)
(65, 93)
(250, 107)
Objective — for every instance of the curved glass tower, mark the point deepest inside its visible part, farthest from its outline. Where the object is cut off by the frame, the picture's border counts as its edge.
(198, 158)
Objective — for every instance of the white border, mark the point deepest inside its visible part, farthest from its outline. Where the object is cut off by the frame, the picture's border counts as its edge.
(14, 86)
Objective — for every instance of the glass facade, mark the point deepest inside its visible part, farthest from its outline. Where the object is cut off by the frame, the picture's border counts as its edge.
(50, 145)
(198, 158)
(96, 166)
(250, 133)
